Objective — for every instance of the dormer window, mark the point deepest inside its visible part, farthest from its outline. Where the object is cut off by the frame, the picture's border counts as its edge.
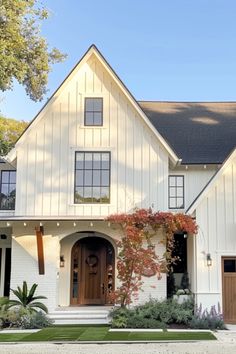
(93, 111)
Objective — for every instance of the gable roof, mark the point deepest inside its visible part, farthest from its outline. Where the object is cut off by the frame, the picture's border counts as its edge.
(199, 133)
(93, 50)
(211, 183)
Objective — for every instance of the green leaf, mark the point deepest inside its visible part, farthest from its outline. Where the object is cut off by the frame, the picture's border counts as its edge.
(39, 305)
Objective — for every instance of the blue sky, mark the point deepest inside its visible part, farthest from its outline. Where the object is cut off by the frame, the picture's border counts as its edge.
(172, 50)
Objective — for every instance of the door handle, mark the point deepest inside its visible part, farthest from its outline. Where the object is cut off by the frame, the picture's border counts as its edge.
(103, 288)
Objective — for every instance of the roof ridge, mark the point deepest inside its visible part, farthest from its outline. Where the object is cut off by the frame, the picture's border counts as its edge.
(202, 102)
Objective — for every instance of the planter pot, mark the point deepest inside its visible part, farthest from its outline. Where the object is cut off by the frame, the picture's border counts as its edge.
(181, 298)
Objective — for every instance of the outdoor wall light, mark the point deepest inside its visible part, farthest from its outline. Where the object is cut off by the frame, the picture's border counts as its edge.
(62, 261)
(209, 260)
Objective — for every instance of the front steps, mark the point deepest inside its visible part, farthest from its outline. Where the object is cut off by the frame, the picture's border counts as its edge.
(81, 315)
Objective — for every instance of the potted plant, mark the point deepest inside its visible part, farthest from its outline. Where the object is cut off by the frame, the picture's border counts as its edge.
(184, 293)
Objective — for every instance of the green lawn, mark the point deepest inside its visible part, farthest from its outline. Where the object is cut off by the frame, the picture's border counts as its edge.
(81, 333)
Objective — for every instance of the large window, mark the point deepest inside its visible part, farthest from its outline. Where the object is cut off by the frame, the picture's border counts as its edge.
(92, 177)
(8, 190)
(176, 192)
(93, 111)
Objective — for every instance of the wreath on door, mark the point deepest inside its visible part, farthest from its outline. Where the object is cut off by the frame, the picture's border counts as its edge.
(92, 262)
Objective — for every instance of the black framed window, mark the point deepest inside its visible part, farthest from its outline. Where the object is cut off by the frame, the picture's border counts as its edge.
(93, 111)
(92, 177)
(176, 192)
(8, 190)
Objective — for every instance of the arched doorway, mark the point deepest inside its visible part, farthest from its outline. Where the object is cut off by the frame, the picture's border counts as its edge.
(92, 271)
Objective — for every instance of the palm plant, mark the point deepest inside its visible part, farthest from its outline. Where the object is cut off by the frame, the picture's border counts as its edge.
(26, 299)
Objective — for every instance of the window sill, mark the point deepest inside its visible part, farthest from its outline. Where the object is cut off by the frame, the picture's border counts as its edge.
(90, 204)
(92, 127)
(7, 211)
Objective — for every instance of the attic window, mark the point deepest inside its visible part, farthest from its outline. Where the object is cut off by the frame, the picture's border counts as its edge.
(176, 192)
(93, 111)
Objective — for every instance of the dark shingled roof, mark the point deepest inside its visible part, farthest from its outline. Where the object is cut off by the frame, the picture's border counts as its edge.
(199, 133)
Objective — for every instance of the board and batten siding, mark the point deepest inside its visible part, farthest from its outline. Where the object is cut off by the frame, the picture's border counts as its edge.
(216, 218)
(46, 153)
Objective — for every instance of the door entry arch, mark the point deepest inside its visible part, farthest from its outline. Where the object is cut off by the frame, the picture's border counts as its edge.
(92, 271)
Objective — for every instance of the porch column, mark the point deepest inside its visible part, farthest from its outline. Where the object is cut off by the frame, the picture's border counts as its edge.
(39, 238)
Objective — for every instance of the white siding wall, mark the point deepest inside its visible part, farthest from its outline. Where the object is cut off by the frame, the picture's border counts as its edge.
(216, 217)
(45, 155)
(25, 266)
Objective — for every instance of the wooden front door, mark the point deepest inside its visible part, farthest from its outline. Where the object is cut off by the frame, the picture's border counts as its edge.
(92, 271)
(229, 289)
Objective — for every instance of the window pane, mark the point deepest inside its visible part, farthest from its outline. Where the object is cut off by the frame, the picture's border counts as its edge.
(105, 161)
(172, 202)
(105, 194)
(4, 189)
(96, 161)
(89, 104)
(180, 203)
(97, 104)
(229, 265)
(79, 161)
(96, 194)
(88, 194)
(79, 179)
(96, 178)
(172, 181)
(97, 118)
(5, 177)
(88, 160)
(180, 181)
(88, 177)
(180, 192)
(13, 177)
(89, 118)
(105, 178)
(12, 189)
(79, 195)
(172, 192)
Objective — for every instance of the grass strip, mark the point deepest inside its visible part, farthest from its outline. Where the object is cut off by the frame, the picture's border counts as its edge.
(96, 334)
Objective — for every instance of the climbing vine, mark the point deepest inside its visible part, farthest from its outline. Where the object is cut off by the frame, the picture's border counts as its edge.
(137, 252)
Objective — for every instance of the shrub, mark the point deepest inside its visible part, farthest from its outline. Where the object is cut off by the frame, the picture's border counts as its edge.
(35, 320)
(212, 319)
(153, 314)
(25, 319)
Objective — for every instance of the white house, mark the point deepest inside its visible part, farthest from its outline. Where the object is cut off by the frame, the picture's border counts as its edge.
(92, 151)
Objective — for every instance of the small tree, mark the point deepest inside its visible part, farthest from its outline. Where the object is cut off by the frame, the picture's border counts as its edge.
(137, 252)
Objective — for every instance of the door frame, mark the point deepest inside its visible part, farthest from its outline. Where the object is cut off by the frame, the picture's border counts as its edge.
(81, 279)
